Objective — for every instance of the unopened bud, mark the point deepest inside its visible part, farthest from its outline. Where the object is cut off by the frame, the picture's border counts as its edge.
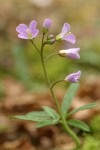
(74, 77)
(46, 25)
(71, 53)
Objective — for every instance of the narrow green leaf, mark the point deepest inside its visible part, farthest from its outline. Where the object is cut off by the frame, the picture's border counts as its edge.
(79, 124)
(51, 112)
(91, 105)
(35, 116)
(69, 97)
(46, 123)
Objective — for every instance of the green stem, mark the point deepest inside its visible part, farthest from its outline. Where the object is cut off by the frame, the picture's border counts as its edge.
(64, 123)
(63, 119)
(56, 83)
(35, 46)
(50, 56)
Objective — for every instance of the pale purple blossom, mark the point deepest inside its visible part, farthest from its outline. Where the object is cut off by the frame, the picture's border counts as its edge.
(46, 25)
(26, 32)
(71, 53)
(74, 77)
(66, 34)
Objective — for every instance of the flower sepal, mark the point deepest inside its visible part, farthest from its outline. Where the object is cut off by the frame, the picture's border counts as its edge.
(58, 38)
(44, 30)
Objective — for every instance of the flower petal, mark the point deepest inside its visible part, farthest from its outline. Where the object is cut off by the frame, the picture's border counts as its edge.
(35, 33)
(23, 36)
(70, 38)
(73, 55)
(32, 26)
(74, 49)
(22, 28)
(47, 23)
(65, 29)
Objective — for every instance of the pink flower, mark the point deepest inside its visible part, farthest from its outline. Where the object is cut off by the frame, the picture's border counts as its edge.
(74, 77)
(26, 32)
(66, 35)
(71, 53)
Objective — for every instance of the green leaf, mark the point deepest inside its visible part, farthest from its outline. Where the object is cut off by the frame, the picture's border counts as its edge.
(91, 105)
(35, 116)
(46, 123)
(79, 124)
(43, 118)
(51, 112)
(69, 97)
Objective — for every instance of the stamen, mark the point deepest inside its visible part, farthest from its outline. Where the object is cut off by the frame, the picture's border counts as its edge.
(29, 34)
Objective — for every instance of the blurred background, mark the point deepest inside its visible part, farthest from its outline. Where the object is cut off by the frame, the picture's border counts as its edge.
(22, 84)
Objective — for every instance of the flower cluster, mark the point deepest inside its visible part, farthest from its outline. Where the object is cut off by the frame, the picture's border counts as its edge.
(48, 115)
(31, 32)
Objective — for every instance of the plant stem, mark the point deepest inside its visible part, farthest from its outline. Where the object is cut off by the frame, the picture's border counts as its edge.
(64, 123)
(63, 119)
(35, 46)
(50, 56)
(56, 83)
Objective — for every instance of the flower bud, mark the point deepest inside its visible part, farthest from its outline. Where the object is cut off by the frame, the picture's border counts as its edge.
(46, 25)
(71, 53)
(50, 39)
(74, 77)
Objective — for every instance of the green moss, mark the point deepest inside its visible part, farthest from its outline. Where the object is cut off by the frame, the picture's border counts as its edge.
(91, 143)
(95, 124)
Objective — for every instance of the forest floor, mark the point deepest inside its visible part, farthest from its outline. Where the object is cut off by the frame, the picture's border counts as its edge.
(22, 135)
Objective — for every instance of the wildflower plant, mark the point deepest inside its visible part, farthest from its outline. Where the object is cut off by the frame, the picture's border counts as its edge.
(48, 115)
